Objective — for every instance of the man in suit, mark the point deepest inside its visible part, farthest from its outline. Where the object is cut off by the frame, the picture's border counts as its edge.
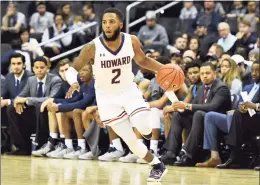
(242, 124)
(25, 112)
(215, 122)
(213, 95)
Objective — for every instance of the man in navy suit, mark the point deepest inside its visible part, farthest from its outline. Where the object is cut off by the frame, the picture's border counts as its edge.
(242, 124)
(14, 83)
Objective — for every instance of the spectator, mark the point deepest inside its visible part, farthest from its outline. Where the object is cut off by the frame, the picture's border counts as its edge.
(153, 35)
(242, 124)
(213, 95)
(188, 56)
(195, 46)
(241, 51)
(253, 55)
(208, 17)
(41, 20)
(213, 59)
(227, 40)
(186, 38)
(215, 121)
(189, 11)
(219, 9)
(30, 44)
(229, 75)
(179, 45)
(217, 50)
(176, 57)
(24, 122)
(65, 11)
(244, 69)
(12, 22)
(251, 16)
(56, 47)
(245, 37)
(238, 10)
(72, 109)
(206, 39)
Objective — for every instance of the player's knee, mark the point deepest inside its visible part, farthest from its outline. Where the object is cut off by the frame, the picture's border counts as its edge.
(137, 147)
(142, 122)
(77, 112)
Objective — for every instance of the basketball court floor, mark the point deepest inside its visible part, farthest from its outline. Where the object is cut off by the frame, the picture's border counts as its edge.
(44, 171)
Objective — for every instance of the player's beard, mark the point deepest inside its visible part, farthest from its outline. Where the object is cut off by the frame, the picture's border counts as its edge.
(114, 37)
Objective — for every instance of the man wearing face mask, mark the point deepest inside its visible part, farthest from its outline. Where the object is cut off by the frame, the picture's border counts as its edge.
(153, 35)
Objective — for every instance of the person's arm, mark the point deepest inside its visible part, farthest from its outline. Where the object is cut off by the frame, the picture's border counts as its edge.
(32, 23)
(160, 103)
(87, 55)
(220, 97)
(76, 97)
(188, 98)
(141, 59)
(81, 104)
(182, 14)
(67, 40)
(236, 86)
(46, 37)
(26, 90)
(164, 41)
(194, 12)
(182, 92)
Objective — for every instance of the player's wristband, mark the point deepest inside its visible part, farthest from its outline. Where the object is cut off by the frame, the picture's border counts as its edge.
(257, 107)
(71, 76)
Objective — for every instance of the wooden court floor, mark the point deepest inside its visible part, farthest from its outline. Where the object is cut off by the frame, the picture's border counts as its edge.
(44, 171)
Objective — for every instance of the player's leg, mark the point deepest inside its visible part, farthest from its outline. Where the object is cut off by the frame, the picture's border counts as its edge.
(66, 130)
(81, 149)
(124, 130)
(53, 138)
(115, 150)
(156, 115)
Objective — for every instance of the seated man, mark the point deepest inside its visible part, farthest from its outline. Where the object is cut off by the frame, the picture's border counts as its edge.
(215, 121)
(24, 116)
(54, 124)
(242, 124)
(72, 109)
(212, 95)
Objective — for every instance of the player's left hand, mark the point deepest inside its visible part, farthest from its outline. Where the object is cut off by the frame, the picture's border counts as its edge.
(73, 88)
(249, 105)
(179, 105)
(53, 107)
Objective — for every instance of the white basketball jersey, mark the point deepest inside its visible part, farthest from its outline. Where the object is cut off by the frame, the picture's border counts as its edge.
(113, 69)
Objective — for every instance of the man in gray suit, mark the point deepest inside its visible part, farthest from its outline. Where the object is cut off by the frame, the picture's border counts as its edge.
(213, 95)
(25, 111)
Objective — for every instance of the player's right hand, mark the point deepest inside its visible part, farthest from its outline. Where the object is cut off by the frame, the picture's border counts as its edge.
(73, 88)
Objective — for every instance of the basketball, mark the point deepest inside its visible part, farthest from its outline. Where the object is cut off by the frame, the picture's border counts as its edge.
(170, 77)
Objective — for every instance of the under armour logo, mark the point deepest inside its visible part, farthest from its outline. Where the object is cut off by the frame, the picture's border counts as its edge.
(102, 54)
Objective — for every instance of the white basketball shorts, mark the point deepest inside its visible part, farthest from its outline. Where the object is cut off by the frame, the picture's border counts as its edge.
(114, 108)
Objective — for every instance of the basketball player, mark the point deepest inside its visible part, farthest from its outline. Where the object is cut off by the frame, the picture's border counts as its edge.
(120, 102)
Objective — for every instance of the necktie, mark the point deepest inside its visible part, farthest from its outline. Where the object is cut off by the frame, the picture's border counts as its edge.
(39, 91)
(17, 87)
(205, 95)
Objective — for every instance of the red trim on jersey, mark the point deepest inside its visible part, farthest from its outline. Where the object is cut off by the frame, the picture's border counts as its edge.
(139, 110)
(111, 120)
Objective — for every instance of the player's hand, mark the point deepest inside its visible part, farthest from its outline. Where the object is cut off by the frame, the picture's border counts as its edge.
(20, 100)
(168, 109)
(53, 107)
(249, 105)
(179, 105)
(239, 35)
(98, 120)
(19, 108)
(242, 108)
(73, 88)
(4, 103)
(45, 103)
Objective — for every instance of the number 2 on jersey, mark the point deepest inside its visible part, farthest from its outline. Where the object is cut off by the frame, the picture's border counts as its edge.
(118, 73)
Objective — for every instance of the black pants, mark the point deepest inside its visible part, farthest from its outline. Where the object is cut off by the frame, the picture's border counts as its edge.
(191, 121)
(4, 119)
(242, 126)
(22, 126)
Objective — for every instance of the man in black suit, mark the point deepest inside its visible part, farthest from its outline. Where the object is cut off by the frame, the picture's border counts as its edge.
(24, 115)
(213, 95)
(14, 83)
